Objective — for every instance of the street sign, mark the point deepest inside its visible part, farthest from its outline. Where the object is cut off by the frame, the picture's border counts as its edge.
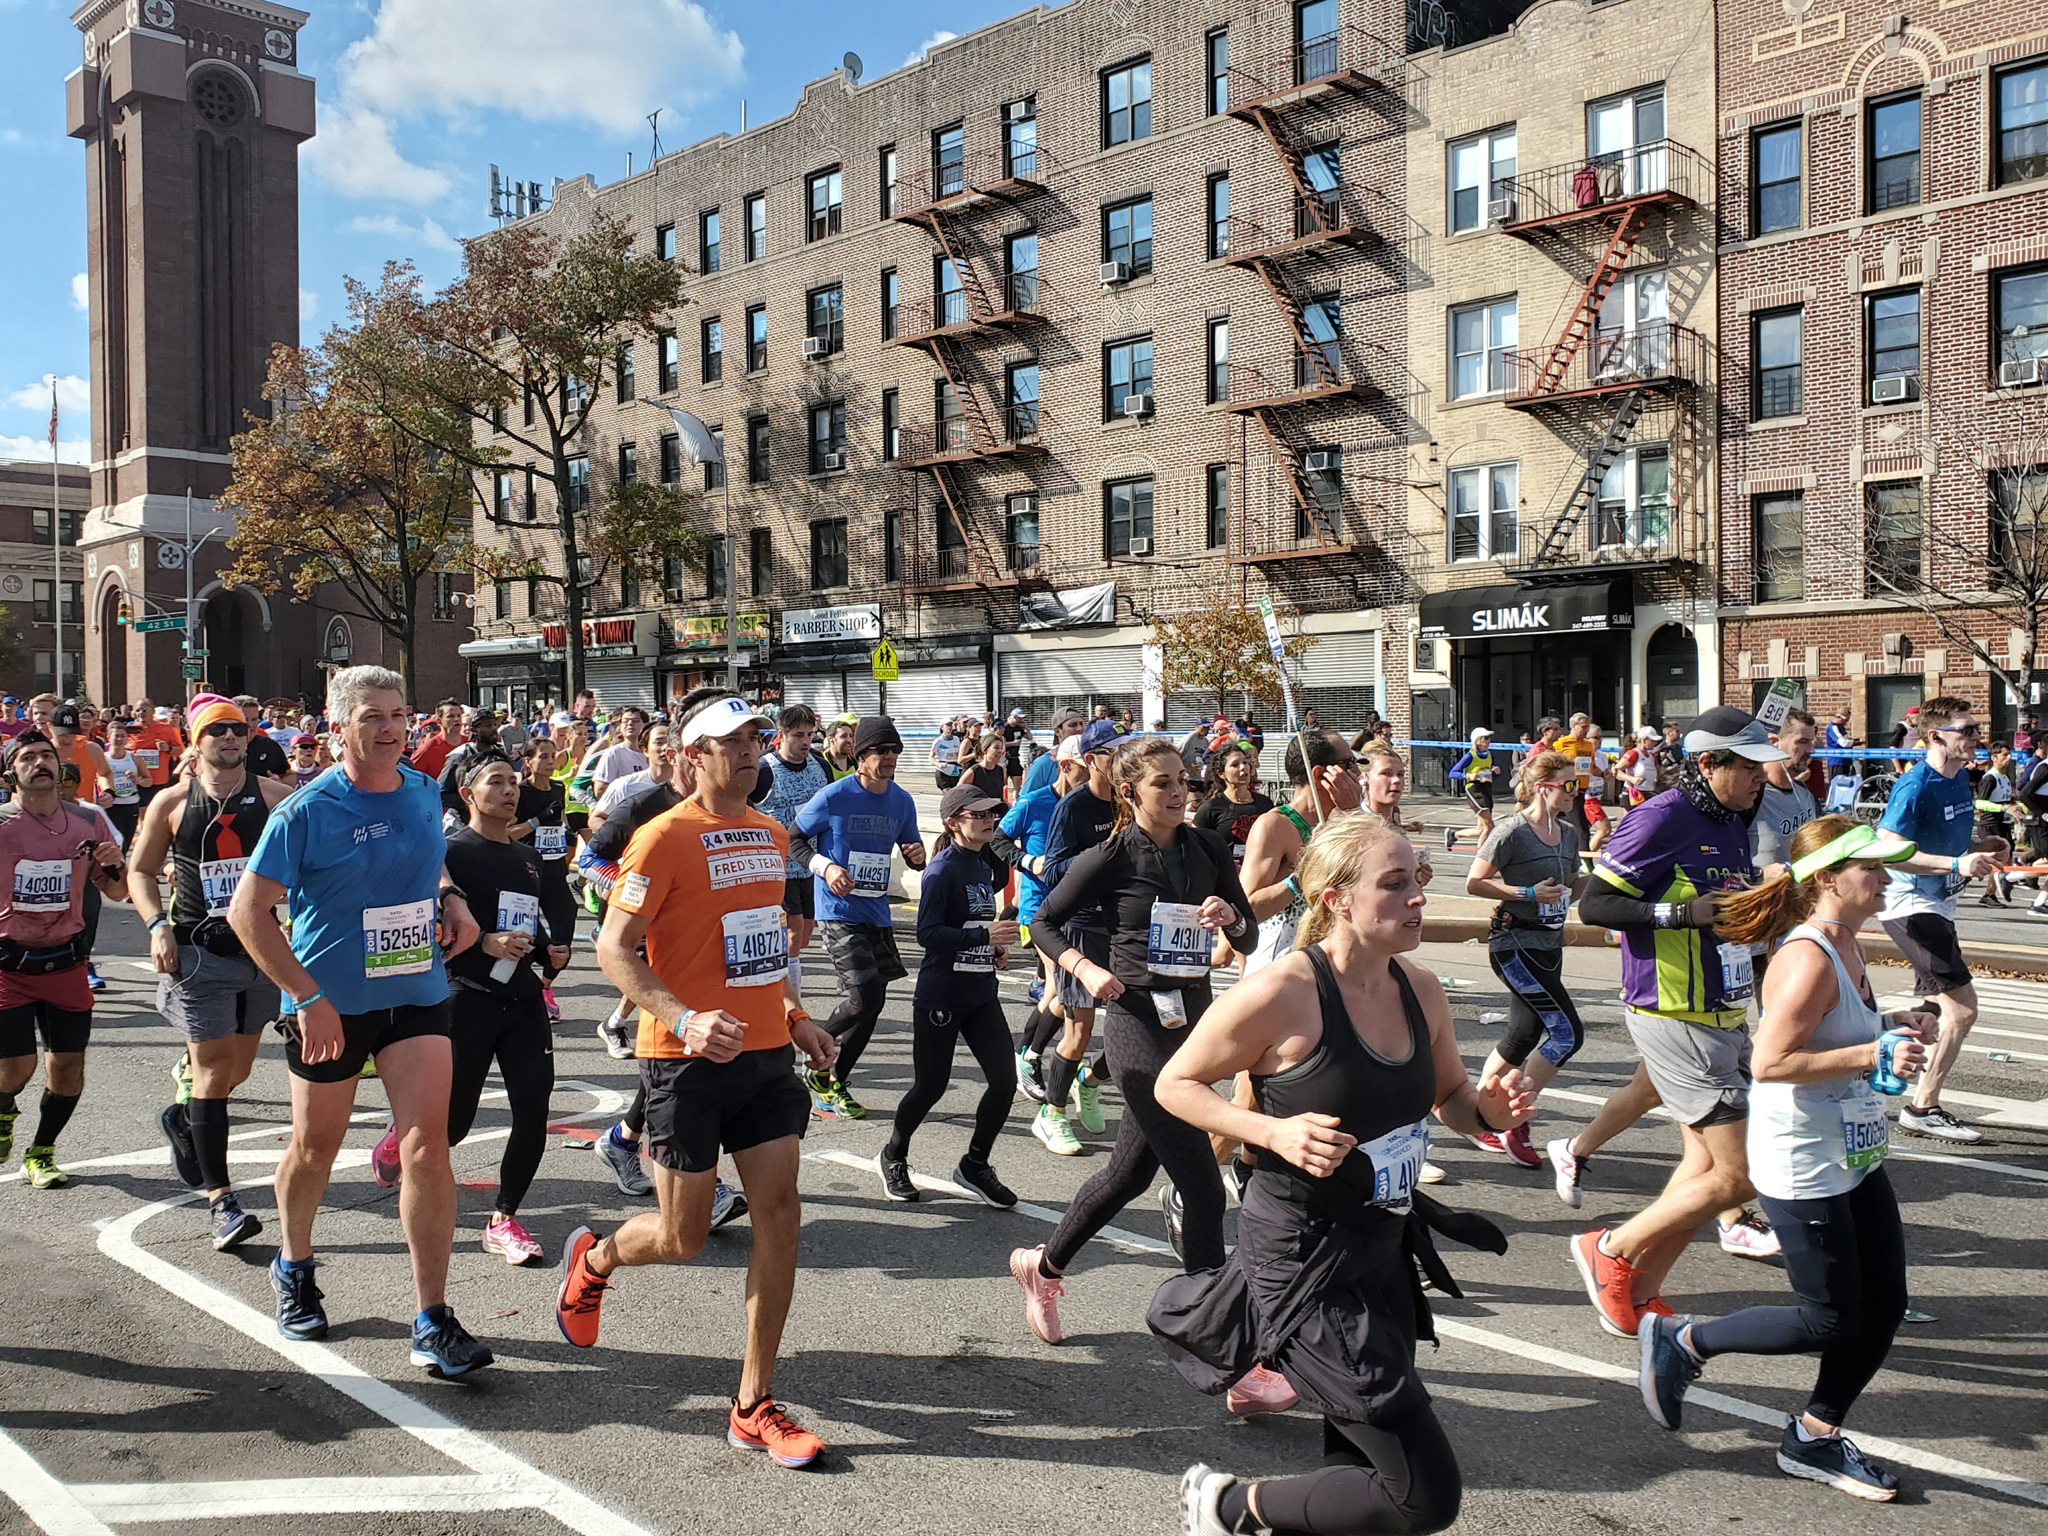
(884, 660)
(152, 626)
(1777, 703)
(1279, 649)
(194, 669)
(197, 650)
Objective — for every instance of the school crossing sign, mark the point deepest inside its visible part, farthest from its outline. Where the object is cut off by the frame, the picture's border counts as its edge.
(884, 662)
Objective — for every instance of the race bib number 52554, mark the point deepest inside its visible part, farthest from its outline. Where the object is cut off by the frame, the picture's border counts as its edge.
(398, 940)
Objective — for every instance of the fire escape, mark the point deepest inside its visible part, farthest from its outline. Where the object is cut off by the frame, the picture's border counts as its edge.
(1278, 94)
(941, 201)
(1620, 369)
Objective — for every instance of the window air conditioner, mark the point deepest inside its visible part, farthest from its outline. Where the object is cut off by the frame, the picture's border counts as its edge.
(1896, 643)
(1890, 388)
(1317, 462)
(833, 461)
(1500, 210)
(1017, 111)
(817, 346)
(2025, 370)
(1025, 506)
(1140, 545)
(1115, 272)
(1137, 405)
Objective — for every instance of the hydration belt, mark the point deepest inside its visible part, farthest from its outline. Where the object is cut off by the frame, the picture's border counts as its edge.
(44, 960)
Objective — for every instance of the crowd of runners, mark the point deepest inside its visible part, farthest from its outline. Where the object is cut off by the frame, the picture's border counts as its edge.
(1238, 971)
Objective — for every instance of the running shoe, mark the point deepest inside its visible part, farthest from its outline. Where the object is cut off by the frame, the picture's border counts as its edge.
(181, 1079)
(1031, 1077)
(1041, 1295)
(7, 1120)
(232, 1226)
(1431, 1174)
(980, 1179)
(39, 1167)
(767, 1428)
(1667, 1368)
(1237, 1177)
(178, 1132)
(830, 1100)
(1050, 1126)
(1088, 1105)
(1568, 1167)
(1170, 1208)
(1201, 1490)
(1750, 1237)
(299, 1313)
(2039, 908)
(1259, 1390)
(510, 1241)
(1836, 1461)
(727, 1205)
(1939, 1123)
(547, 997)
(93, 978)
(1450, 839)
(444, 1346)
(618, 1036)
(850, 1108)
(581, 1293)
(895, 1172)
(623, 1158)
(369, 1067)
(384, 1165)
(1036, 992)
(1609, 1282)
(1519, 1149)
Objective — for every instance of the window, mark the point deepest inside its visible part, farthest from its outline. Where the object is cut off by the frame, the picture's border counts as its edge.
(579, 483)
(1020, 254)
(1323, 169)
(1634, 504)
(1127, 102)
(760, 562)
(949, 305)
(888, 181)
(949, 161)
(1219, 360)
(1020, 138)
(1892, 537)
(1127, 517)
(757, 226)
(1325, 488)
(672, 578)
(1625, 140)
(444, 594)
(532, 585)
(1482, 348)
(671, 460)
(1894, 136)
(1219, 505)
(1776, 342)
(622, 371)
(665, 242)
(950, 544)
(501, 495)
(1315, 40)
(892, 546)
(1219, 216)
(825, 316)
(501, 599)
(714, 468)
(757, 338)
(1127, 235)
(1020, 531)
(2023, 123)
(1777, 173)
(2019, 317)
(714, 350)
(1126, 371)
(1321, 360)
(1020, 393)
(1219, 71)
(952, 422)
(42, 601)
(629, 586)
(707, 242)
(532, 508)
(46, 673)
(574, 396)
(892, 426)
(629, 463)
(1482, 173)
(757, 450)
(714, 566)
(526, 404)
(828, 437)
(828, 554)
(2019, 521)
(1484, 501)
(1780, 548)
(498, 409)
(67, 525)
(892, 303)
(668, 366)
(823, 195)
(1891, 332)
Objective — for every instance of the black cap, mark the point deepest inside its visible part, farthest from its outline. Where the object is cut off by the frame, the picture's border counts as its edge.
(65, 717)
(965, 797)
(875, 733)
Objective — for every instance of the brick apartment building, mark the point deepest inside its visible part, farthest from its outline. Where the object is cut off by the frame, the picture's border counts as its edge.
(28, 585)
(1884, 321)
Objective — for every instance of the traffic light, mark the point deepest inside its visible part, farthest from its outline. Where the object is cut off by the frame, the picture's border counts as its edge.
(124, 613)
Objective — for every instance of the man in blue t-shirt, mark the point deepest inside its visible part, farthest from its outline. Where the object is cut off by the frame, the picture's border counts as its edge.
(845, 836)
(1931, 807)
(1044, 767)
(358, 853)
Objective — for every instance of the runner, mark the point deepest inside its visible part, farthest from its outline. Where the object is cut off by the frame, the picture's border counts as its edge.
(702, 885)
(359, 854)
(839, 753)
(1351, 1047)
(1638, 769)
(1162, 887)
(1029, 825)
(1068, 722)
(481, 745)
(844, 836)
(1530, 866)
(791, 775)
(965, 944)
(1325, 784)
(1817, 1141)
(157, 747)
(1473, 774)
(266, 758)
(57, 851)
(945, 754)
(443, 732)
(610, 762)
(305, 760)
(86, 778)
(1786, 804)
(124, 804)
(1594, 809)
(1016, 740)
(1686, 990)
(209, 991)
(1930, 807)
(1994, 807)
(1237, 806)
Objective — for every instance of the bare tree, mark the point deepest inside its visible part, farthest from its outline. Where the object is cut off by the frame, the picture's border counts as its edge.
(1218, 649)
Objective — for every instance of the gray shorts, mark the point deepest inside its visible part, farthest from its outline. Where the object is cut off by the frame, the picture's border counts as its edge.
(1701, 1073)
(214, 996)
(1093, 945)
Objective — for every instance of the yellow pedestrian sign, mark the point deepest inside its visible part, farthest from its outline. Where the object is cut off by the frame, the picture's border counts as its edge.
(884, 661)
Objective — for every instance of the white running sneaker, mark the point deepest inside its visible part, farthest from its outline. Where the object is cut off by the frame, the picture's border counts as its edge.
(1431, 1174)
(619, 1036)
(1750, 1237)
(1201, 1487)
(1939, 1123)
(1567, 1167)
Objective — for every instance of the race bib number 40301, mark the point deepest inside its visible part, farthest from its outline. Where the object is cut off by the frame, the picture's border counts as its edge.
(42, 885)
(398, 940)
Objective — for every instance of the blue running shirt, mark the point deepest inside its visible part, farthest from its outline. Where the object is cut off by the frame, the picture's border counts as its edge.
(858, 831)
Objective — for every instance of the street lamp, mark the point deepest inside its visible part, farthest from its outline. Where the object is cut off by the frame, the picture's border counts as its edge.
(701, 446)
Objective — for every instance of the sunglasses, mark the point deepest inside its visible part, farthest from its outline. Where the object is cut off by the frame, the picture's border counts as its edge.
(1959, 730)
(225, 728)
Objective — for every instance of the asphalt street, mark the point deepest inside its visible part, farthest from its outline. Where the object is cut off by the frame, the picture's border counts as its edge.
(145, 1382)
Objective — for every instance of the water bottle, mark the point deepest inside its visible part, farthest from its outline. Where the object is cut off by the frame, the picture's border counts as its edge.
(1884, 1079)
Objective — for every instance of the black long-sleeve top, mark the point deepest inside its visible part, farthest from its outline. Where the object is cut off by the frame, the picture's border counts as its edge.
(956, 902)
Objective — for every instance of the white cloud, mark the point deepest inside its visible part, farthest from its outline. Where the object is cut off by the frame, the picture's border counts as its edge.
(309, 305)
(925, 47)
(81, 296)
(426, 232)
(355, 155)
(72, 395)
(37, 449)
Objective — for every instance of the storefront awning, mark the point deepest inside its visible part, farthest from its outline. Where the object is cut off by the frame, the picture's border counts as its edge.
(1482, 613)
(509, 645)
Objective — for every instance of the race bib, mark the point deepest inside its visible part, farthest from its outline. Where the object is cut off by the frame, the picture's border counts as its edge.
(1551, 914)
(756, 947)
(1582, 767)
(1738, 976)
(1397, 1164)
(42, 885)
(1179, 944)
(1866, 1132)
(398, 941)
(218, 879)
(978, 959)
(870, 873)
(550, 842)
(1172, 1009)
(147, 756)
(518, 913)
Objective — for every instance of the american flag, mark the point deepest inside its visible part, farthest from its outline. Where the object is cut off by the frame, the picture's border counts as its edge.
(53, 412)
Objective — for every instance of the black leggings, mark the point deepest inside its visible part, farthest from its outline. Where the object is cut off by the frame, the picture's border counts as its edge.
(853, 1022)
(1147, 1139)
(1846, 1259)
(1541, 1014)
(1400, 1477)
(933, 1035)
(515, 1033)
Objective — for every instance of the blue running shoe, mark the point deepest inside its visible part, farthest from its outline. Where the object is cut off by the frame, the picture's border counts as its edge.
(1667, 1367)
(727, 1205)
(1036, 992)
(623, 1158)
(1837, 1462)
(444, 1346)
(232, 1226)
(299, 1313)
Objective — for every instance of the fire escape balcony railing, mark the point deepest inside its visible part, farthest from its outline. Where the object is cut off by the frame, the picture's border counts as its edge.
(1350, 60)
(1016, 300)
(1602, 186)
(1658, 357)
(990, 172)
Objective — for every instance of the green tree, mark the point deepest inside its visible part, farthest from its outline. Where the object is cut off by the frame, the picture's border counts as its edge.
(1219, 650)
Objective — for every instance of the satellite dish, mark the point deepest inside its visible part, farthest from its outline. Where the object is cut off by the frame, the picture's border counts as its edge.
(852, 65)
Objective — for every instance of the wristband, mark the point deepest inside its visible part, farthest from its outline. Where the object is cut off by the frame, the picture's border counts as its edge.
(1293, 887)
(682, 1023)
(1528, 893)
(301, 1004)
(452, 890)
(159, 921)
(1955, 866)
(819, 864)
(1668, 914)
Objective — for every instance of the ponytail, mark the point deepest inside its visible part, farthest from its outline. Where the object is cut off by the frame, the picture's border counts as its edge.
(1758, 914)
(1127, 767)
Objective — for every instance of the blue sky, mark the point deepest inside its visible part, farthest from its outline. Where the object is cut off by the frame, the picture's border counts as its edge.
(417, 99)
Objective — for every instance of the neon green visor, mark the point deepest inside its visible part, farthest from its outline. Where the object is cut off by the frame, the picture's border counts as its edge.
(1858, 843)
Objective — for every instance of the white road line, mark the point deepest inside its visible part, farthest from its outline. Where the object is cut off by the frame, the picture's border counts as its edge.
(48, 1503)
(139, 1503)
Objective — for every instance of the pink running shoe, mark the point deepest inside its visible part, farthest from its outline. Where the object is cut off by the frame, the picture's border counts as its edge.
(511, 1242)
(1041, 1296)
(1259, 1390)
(384, 1166)
(1516, 1145)
(547, 996)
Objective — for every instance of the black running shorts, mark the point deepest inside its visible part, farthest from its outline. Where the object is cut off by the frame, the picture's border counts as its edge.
(799, 898)
(64, 1031)
(696, 1108)
(861, 952)
(1928, 941)
(363, 1035)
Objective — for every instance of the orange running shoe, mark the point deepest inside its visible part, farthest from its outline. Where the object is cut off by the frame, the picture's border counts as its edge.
(581, 1294)
(768, 1428)
(1609, 1284)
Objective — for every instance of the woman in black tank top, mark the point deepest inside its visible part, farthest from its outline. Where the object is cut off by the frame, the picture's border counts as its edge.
(1351, 1049)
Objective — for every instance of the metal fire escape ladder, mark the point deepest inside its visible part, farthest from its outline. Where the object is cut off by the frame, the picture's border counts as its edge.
(970, 283)
(1587, 492)
(945, 351)
(1284, 454)
(1604, 276)
(1321, 210)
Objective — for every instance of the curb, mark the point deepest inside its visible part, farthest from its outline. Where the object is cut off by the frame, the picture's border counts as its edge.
(2013, 959)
